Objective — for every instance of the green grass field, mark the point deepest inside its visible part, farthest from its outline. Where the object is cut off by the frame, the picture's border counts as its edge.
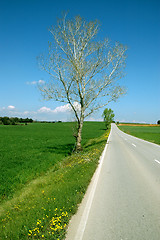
(29, 151)
(151, 134)
(42, 181)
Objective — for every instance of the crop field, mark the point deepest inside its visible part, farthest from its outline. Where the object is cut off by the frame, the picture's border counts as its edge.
(149, 133)
(42, 180)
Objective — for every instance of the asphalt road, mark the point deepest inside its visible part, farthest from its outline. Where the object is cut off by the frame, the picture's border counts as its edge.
(123, 200)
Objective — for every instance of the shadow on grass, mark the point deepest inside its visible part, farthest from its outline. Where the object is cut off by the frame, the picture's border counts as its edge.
(93, 143)
(65, 149)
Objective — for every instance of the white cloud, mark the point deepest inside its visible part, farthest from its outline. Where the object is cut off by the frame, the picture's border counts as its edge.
(60, 109)
(35, 82)
(11, 107)
(45, 110)
(94, 119)
(77, 106)
(26, 112)
(41, 81)
(63, 112)
(31, 83)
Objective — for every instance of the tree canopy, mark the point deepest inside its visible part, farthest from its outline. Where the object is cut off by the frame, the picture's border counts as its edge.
(14, 120)
(108, 116)
(85, 72)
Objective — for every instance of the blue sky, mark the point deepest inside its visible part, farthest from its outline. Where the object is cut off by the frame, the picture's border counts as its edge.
(24, 36)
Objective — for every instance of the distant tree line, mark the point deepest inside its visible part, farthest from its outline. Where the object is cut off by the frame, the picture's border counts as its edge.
(37, 121)
(14, 120)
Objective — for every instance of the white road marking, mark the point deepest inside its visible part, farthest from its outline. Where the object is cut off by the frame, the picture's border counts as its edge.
(84, 218)
(133, 144)
(157, 161)
(142, 140)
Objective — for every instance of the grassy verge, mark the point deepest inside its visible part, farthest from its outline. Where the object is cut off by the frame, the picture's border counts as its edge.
(43, 207)
(27, 152)
(149, 133)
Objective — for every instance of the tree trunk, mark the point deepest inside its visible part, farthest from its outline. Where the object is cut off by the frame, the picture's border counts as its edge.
(79, 136)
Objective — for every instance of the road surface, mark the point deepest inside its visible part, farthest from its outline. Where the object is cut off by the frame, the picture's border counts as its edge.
(123, 199)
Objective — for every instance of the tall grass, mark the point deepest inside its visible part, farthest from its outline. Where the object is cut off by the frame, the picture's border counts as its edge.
(42, 207)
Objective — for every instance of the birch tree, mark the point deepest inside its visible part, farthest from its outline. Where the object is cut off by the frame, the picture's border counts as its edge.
(84, 71)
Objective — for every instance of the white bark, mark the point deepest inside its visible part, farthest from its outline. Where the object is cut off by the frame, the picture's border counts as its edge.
(83, 70)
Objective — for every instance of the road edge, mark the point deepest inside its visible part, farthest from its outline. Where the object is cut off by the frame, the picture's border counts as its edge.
(85, 206)
(140, 139)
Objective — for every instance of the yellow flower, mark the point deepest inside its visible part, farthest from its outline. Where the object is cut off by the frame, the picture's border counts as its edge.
(43, 236)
